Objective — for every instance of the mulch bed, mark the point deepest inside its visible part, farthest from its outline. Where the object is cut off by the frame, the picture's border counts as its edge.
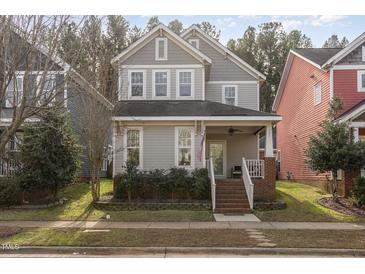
(9, 231)
(343, 205)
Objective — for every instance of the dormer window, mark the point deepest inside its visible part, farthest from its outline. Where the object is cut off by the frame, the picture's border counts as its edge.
(194, 43)
(161, 49)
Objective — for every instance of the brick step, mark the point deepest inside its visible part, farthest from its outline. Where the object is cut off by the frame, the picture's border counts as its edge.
(232, 210)
(240, 183)
(233, 205)
(231, 200)
(230, 191)
(230, 195)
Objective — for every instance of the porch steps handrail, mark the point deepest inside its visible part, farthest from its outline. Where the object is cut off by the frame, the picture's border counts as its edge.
(256, 168)
(246, 178)
(212, 181)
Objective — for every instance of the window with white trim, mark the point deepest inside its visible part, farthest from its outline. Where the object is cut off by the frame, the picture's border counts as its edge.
(14, 92)
(133, 145)
(161, 83)
(194, 43)
(49, 88)
(363, 53)
(184, 147)
(361, 80)
(14, 142)
(185, 80)
(230, 95)
(161, 49)
(317, 93)
(137, 84)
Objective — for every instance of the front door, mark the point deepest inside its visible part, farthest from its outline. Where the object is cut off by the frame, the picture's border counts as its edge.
(217, 151)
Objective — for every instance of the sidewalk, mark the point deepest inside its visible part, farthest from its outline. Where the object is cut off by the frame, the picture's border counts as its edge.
(185, 225)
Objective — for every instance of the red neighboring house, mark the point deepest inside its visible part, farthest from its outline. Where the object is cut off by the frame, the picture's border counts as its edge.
(310, 79)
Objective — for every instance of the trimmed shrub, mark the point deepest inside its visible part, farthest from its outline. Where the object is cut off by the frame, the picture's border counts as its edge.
(358, 192)
(201, 186)
(9, 192)
(161, 184)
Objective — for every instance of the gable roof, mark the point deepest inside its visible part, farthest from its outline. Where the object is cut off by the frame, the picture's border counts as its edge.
(318, 56)
(67, 68)
(183, 108)
(133, 48)
(241, 63)
(345, 51)
(353, 112)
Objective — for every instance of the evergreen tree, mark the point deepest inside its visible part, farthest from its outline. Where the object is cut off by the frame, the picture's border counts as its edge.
(152, 22)
(176, 26)
(334, 42)
(333, 149)
(134, 34)
(49, 153)
(210, 29)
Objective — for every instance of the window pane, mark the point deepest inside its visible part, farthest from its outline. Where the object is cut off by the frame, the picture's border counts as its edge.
(133, 138)
(230, 92)
(133, 155)
(184, 137)
(137, 77)
(363, 80)
(161, 90)
(185, 77)
(137, 90)
(185, 90)
(184, 156)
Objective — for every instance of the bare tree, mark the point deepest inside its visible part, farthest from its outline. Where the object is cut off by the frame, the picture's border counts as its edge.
(95, 128)
(29, 67)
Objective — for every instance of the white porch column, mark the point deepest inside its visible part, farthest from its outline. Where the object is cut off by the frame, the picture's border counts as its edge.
(269, 150)
(356, 134)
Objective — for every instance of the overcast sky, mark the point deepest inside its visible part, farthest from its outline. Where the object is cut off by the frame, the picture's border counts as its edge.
(318, 28)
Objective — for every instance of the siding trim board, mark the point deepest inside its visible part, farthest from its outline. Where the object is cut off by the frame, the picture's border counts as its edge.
(161, 66)
(197, 118)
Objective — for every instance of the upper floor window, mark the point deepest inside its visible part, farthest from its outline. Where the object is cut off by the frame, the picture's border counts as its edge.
(14, 91)
(230, 95)
(161, 49)
(184, 147)
(317, 93)
(361, 80)
(161, 83)
(363, 53)
(194, 43)
(137, 84)
(185, 84)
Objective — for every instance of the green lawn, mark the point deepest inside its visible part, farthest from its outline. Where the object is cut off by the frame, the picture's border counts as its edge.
(302, 206)
(133, 238)
(79, 207)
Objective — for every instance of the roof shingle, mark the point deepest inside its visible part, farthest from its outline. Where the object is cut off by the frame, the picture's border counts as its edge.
(317, 55)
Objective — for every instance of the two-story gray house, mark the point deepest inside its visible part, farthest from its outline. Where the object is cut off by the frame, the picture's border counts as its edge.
(68, 87)
(187, 101)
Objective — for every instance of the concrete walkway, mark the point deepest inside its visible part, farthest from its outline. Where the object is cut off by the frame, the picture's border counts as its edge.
(184, 225)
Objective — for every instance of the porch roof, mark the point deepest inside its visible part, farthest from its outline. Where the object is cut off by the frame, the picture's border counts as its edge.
(184, 108)
(353, 112)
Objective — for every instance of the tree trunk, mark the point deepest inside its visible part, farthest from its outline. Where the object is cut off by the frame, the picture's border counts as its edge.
(334, 187)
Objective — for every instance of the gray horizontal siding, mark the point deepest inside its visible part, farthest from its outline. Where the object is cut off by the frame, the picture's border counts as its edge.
(247, 94)
(222, 69)
(198, 83)
(146, 55)
(158, 148)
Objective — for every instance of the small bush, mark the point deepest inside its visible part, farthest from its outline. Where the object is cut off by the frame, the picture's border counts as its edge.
(9, 191)
(201, 186)
(358, 192)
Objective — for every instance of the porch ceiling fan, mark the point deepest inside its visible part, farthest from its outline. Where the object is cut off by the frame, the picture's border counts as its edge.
(232, 130)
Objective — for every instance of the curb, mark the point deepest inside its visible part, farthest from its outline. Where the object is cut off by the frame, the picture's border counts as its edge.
(165, 251)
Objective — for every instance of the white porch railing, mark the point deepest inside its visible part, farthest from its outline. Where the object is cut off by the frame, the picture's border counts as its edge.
(256, 168)
(247, 182)
(212, 180)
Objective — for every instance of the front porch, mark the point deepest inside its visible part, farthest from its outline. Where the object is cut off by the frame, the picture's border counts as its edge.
(238, 175)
